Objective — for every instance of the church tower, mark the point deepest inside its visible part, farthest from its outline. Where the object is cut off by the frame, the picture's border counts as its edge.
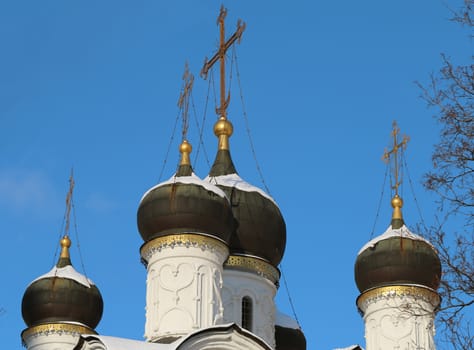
(212, 247)
(397, 274)
(186, 225)
(258, 238)
(61, 305)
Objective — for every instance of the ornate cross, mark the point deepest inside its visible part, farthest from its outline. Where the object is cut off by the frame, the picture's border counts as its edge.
(220, 55)
(394, 152)
(69, 203)
(183, 102)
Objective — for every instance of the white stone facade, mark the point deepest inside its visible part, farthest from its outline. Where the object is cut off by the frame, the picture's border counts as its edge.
(239, 284)
(399, 317)
(184, 281)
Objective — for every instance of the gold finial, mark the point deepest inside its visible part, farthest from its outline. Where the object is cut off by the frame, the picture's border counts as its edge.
(394, 152)
(220, 56)
(397, 202)
(69, 203)
(65, 244)
(64, 258)
(183, 101)
(185, 149)
(223, 129)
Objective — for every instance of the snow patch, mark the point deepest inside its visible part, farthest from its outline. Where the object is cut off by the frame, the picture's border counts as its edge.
(234, 180)
(192, 179)
(286, 321)
(114, 343)
(403, 232)
(67, 272)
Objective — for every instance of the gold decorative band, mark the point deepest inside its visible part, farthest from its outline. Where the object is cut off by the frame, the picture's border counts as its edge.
(56, 328)
(422, 292)
(187, 240)
(255, 265)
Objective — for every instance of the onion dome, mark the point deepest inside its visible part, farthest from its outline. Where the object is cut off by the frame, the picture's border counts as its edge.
(397, 257)
(63, 295)
(184, 204)
(260, 229)
(288, 334)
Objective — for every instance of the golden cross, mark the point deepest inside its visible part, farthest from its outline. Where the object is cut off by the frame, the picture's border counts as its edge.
(394, 152)
(220, 55)
(183, 102)
(69, 203)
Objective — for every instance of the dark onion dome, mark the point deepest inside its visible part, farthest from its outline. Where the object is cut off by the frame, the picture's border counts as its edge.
(260, 228)
(62, 295)
(288, 334)
(185, 204)
(397, 257)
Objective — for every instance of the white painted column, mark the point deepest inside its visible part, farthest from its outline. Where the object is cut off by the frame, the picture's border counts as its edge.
(254, 278)
(399, 317)
(184, 284)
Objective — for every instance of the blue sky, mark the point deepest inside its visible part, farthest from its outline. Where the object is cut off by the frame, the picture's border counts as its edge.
(94, 84)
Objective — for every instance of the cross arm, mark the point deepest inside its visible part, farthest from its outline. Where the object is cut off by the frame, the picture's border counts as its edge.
(221, 52)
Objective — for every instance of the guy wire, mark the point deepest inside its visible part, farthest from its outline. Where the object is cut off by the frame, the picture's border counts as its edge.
(380, 201)
(244, 112)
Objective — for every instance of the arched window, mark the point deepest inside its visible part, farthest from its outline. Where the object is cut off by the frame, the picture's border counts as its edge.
(247, 313)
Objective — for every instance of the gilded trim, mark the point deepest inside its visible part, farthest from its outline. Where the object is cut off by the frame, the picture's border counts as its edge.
(188, 240)
(385, 292)
(255, 265)
(56, 328)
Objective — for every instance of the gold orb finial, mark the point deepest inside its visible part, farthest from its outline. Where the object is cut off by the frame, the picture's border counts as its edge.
(65, 244)
(185, 149)
(397, 202)
(397, 217)
(223, 129)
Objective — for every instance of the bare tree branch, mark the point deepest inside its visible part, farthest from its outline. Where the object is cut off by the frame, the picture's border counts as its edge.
(451, 93)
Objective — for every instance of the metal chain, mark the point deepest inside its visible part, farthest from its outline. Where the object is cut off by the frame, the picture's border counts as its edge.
(259, 170)
(380, 201)
(201, 128)
(165, 160)
(244, 112)
(77, 238)
(289, 296)
(413, 193)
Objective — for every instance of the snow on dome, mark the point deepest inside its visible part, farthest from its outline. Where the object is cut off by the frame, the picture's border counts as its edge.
(66, 272)
(192, 179)
(286, 321)
(402, 232)
(234, 180)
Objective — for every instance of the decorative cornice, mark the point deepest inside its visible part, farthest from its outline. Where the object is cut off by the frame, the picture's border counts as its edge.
(390, 292)
(187, 240)
(254, 265)
(56, 328)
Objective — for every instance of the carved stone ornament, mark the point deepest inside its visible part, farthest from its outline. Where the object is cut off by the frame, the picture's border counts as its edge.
(55, 329)
(390, 292)
(255, 265)
(188, 240)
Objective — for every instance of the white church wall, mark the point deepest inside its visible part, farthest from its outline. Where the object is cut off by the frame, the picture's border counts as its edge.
(240, 284)
(399, 317)
(184, 284)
